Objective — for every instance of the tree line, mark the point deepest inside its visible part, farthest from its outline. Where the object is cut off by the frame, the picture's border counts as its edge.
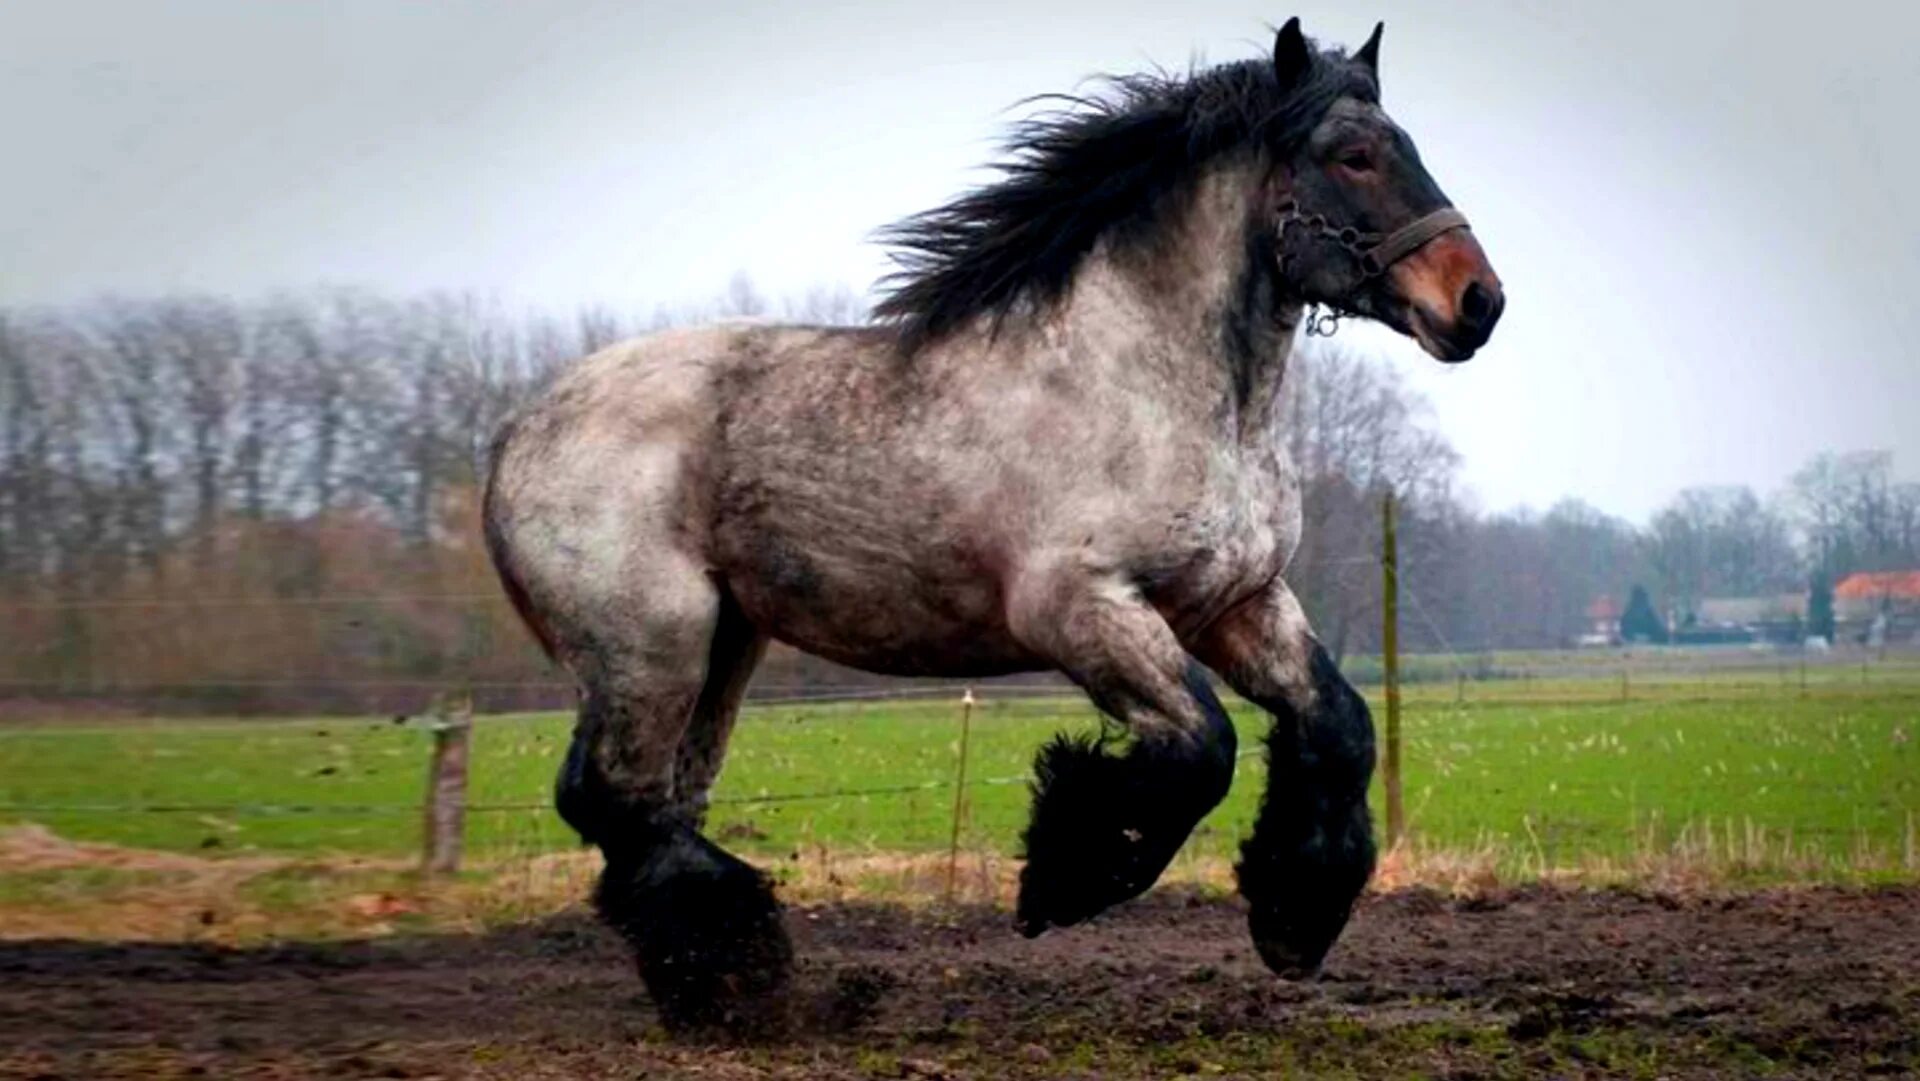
(271, 502)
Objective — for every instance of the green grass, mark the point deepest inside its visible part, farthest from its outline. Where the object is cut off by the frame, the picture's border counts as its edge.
(1547, 775)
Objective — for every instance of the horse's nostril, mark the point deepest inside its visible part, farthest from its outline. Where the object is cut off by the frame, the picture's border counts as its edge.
(1476, 304)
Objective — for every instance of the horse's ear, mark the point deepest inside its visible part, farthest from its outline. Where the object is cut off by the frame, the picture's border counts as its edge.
(1369, 54)
(1291, 55)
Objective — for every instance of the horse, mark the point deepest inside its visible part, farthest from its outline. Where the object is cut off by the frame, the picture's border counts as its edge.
(1058, 446)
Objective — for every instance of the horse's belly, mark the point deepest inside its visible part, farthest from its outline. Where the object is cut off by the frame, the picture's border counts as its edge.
(876, 610)
(952, 656)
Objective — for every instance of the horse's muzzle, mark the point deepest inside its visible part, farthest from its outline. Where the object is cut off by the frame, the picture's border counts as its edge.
(1452, 297)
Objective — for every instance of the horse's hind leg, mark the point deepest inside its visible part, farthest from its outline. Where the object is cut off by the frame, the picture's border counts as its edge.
(704, 926)
(736, 651)
(1105, 825)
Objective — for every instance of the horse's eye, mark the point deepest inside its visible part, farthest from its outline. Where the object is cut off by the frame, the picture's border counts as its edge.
(1358, 160)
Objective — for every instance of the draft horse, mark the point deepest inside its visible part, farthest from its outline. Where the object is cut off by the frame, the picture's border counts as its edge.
(1059, 446)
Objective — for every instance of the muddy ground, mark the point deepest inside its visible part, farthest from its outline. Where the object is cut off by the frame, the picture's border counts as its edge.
(1535, 982)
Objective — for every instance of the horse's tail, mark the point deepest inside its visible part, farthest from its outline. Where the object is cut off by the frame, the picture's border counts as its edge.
(502, 561)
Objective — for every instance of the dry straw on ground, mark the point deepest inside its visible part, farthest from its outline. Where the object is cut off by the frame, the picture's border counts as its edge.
(55, 887)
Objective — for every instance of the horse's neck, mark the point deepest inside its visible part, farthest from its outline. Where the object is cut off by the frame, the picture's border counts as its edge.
(1178, 301)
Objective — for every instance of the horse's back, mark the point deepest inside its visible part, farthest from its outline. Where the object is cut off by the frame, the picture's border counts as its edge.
(646, 416)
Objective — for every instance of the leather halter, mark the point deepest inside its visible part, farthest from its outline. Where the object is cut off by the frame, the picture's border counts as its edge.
(1373, 252)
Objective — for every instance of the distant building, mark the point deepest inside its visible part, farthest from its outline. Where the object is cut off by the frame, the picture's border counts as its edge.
(1603, 622)
(1883, 604)
(1777, 617)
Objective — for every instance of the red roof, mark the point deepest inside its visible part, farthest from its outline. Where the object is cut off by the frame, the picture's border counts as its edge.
(1603, 608)
(1868, 586)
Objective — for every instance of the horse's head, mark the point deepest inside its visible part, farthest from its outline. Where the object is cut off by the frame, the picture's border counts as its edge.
(1362, 227)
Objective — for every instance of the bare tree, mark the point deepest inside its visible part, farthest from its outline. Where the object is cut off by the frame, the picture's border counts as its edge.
(599, 328)
(1853, 515)
(1355, 432)
(24, 457)
(742, 300)
(201, 342)
(130, 369)
(827, 306)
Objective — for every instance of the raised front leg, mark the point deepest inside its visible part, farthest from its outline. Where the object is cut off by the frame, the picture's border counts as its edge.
(1312, 847)
(1106, 823)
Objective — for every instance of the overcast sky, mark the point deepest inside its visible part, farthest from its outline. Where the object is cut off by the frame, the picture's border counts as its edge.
(1707, 215)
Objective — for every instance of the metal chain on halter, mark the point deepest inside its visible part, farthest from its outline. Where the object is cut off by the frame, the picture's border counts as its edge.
(1356, 243)
(1323, 320)
(1372, 253)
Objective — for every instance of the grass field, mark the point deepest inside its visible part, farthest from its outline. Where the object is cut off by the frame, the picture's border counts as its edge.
(1526, 776)
(288, 843)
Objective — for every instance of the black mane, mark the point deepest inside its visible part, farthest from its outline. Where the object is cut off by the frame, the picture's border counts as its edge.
(1098, 165)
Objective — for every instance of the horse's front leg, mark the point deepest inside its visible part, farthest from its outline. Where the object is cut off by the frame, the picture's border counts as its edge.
(1312, 847)
(1107, 819)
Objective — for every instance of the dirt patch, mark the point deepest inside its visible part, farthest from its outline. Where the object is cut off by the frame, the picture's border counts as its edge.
(1808, 983)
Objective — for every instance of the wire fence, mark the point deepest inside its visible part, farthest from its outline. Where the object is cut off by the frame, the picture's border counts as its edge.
(1506, 783)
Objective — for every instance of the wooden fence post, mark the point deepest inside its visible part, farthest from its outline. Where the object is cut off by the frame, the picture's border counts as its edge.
(446, 811)
(1390, 665)
(959, 791)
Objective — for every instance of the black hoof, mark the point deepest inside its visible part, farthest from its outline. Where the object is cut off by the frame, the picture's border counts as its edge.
(1293, 944)
(1104, 827)
(707, 937)
(1299, 899)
